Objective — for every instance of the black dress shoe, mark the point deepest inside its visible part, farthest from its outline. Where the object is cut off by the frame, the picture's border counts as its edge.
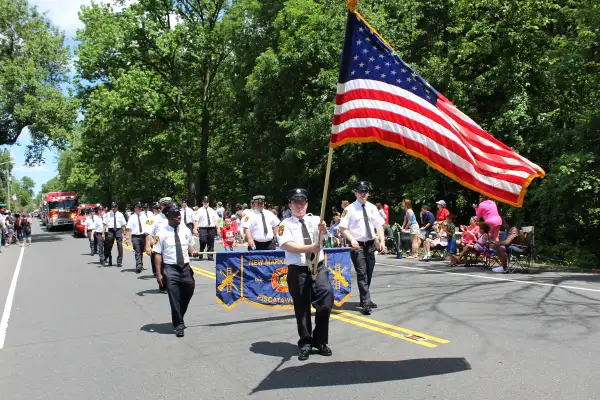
(373, 305)
(179, 332)
(119, 265)
(366, 310)
(138, 270)
(304, 354)
(323, 350)
(102, 263)
(110, 263)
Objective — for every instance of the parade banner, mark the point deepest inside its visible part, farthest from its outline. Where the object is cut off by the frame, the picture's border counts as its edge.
(260, 277)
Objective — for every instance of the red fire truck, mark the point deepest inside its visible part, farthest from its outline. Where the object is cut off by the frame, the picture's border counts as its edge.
(79, 225)
(58, 209)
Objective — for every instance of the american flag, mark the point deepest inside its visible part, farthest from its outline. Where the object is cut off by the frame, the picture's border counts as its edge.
(381, 99)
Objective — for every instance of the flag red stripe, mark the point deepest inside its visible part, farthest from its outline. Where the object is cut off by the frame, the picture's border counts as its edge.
(420, 150)
(494, 156)
(426, 131)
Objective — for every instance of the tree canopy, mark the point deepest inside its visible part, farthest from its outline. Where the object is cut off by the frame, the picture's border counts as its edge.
(33, 65)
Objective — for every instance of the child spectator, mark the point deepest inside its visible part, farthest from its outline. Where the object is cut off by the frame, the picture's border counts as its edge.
(228, 235)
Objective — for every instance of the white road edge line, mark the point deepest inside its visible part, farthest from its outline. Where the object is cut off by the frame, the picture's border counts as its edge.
(9, 301)
(490, 277)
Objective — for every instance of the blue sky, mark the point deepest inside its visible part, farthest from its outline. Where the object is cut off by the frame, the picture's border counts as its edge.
(63, 14)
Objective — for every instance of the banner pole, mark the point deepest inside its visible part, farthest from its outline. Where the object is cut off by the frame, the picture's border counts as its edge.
(314, 269)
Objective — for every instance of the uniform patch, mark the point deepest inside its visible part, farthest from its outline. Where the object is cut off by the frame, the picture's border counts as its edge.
(281, 229)
(149, 222)
(156, 239)
(344, 213)
(246, 219)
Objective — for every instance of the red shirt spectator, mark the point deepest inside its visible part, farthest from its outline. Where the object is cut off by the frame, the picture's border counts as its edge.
(228, 236)
(442, 213)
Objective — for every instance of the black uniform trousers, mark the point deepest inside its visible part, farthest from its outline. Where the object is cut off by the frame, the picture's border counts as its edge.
(180, 285)
(364, 263)
(207, 240)
(306, 292)
(99, 245)
(139, 244)
(264, 245)
(113, 234)
(93, 242)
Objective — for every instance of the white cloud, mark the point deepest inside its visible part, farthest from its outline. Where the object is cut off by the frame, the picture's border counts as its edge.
(63, 14)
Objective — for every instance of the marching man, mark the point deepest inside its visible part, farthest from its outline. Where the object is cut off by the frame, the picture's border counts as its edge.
(298, 236)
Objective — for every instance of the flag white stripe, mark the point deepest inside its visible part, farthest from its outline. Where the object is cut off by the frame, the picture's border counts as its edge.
(370, 84)
(440, 129)
(432, 145)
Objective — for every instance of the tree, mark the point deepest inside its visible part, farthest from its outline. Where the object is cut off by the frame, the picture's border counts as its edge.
(33, 65)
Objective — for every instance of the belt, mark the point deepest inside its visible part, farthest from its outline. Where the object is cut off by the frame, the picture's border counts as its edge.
(139, 234)
(367, 243)
(320, 264)
(264, 241)
(177, 266)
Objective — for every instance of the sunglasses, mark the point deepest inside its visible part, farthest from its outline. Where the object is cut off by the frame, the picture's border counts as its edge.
(362, 191)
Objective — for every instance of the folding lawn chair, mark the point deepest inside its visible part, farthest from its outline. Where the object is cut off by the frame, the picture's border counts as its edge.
(521, 256)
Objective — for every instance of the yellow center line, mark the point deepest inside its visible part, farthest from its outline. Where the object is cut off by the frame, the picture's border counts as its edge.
(362, 322)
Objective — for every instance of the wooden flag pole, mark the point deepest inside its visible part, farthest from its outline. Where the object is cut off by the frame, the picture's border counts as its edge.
(314, 269)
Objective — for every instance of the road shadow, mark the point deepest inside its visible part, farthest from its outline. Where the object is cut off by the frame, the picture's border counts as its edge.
(146, 277)
(128, 270)
(162, 329)
(349, 306)
(284, 350)
(47, 237)
(148, 291)
(341, 373)
(253, 321)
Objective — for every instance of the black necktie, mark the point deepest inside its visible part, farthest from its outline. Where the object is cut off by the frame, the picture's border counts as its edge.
(307, 240)
(139, 222)
(178, 250)
(366, 217)
(115, 219)
(207, 217)
(265, 229)
(185, 216)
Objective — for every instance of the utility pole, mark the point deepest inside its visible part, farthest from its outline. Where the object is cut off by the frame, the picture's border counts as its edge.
(8, 179)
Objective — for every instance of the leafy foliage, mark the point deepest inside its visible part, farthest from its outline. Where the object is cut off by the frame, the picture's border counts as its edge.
(236, 98)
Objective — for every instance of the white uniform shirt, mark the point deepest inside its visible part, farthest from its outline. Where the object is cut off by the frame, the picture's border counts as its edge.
(187, 216)
(165, 243)
(246, 212)
(254, 222)
(99, 223)
(134, 224)
(89, 223)
(290, 230)
(155, 224)
(203, 220)
(353, 220)
(109, 220)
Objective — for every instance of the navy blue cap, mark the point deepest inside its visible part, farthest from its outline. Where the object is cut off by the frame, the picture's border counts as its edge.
(298, 194)
(171, 208)
(363, 185)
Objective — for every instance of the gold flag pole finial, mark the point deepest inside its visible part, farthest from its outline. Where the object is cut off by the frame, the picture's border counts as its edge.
(351, 5)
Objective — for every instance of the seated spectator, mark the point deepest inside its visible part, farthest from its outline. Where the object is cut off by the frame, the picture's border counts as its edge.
(478, 245)
(444, 234)
(471, 232)
(513, 238)
(442, 212)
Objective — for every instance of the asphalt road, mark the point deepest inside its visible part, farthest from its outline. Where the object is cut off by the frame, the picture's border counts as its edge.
(80, 331)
